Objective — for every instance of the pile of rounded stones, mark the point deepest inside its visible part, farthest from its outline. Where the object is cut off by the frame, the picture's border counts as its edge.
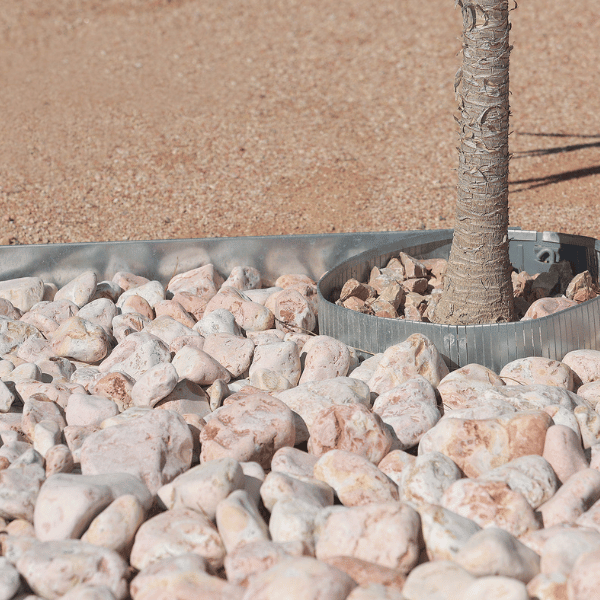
(193, 441)
(407, 288)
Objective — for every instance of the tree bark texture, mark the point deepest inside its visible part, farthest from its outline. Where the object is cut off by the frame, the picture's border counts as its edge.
(478, 287)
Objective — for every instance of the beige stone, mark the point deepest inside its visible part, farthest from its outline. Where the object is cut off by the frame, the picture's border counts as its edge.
(548, 587)
(294, 462)
(537, 369)
(176, 532)
(154, 385)
(354, 478)
(477, 446)
(394, 463)
(204, 486)
(427, 478)
(239, 521)
(325, 358)
(233, 352)
(562, 550)
(22, 293)
(173, 309)
(531, 476)
(494, 551)
(278, 486)
(79, 290)
(115, 527)
(491, 503)
(152, 292)
(251, 429)
(438, 580)
(359, 532)
(294, 312)
(249, 315)
(401, 362)
(584, 581)
(409, 409)
(351, 427)
(564, 452)
(137, 353)
(116, 386)
(53, 568)
(302, 578)
(575, 496)
(155, 447)
(199, 367)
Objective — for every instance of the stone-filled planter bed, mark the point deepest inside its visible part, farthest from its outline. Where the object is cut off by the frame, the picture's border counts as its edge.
(490, 345)
(151, 450)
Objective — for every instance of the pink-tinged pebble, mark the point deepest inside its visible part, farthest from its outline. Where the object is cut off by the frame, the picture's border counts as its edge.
(478, 445)
(491, 503)
(115, 386)
(45, 564)
(302, 578)
(294, 462)
(561, 551)
(67, 503)
(251, 429)
(20, 484)
(14, 333)
(367, 573)
(537, 369)
(59, 459)
(404, 361)
(239, 521)
(154, 385)
(173, 309)
(575, 496)
(437, 580)
(155, 447)
(584, 581)
(136, 354)
(279, 357)
(233, 352)
(115, 527)
(547, 306)
(34, 411)
(326, 358)
(79, 290)
(564, 452)
(168, 329)
(199, 366)
(427, 478)
(250, 559)
(89, 411)
(126, 280)
(204, 486)
(203, 281)
(280, 486)
(409, 409)
(354, 478)
(294, 312)
(127, 323)
(358, 532)
(137, 305)
(175, 532)
(530, 475)
(22, 293)
(80, 339)
(196, 341)
(585, 364)
(493, 551)
(394, 463)
(100, 312)
(152, 292)
(351, 427)
(243, 278)
(548, 587)
(249, 315)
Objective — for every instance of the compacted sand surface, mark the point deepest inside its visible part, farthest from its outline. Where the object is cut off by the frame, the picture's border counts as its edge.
(149, 119)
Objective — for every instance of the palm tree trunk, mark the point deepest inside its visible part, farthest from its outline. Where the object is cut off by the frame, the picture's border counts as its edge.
(478, 287)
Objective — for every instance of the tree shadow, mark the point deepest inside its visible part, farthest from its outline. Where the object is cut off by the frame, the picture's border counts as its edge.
(558, 177)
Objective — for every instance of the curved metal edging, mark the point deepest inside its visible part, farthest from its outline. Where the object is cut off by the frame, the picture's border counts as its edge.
(491, 345)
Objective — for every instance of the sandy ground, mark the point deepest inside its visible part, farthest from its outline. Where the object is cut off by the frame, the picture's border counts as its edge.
(149, 119)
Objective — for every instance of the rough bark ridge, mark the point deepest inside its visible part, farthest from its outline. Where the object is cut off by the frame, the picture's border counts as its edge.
(478, 287)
